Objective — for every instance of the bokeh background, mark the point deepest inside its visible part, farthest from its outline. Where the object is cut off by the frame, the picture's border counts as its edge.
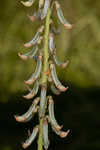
(78, 109)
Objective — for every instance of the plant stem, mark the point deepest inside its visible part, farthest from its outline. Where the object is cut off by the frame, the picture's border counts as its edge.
(45, 69)
(46, 54)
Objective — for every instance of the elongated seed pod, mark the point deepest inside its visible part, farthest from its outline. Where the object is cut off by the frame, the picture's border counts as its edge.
(62, 134)
(58, 63)
(35, 38)
(41, 3)
(33, 92)
(37, 72)
(31, 138)
(30, 54)
(45, 134)
(36, 15)
(29, 114)
(51, 114)
(55, 78)
(54, 89)
(51, 43)
(45, 9)
(42, 101)
(28, 3)
(61, 16)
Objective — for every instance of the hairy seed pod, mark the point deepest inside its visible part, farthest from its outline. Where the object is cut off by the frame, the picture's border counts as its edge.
(28, 3)
(61, 16)
(37, 72)
(55, 79)
(51, 43)
(45, 9)
(45, 134)
(51, 114)
(29, 114)
(35, 39)
(54, 89)
(41, 3)
(30, 54)
(58, 63)
(31, 138)
(62, 134)
(42, 100)
(33, 92)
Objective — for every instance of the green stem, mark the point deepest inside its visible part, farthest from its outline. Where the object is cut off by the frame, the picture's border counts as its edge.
(45, 69)
(46, 54)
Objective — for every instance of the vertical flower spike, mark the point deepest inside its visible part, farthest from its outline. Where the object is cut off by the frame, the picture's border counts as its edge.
(28, 3)
(36, 37)
(45, 134)
(37, 72)
(30, 113)
(45, 9)
(42, 101)
(30, 54)
(51, 114)
(44, 53)
(55, 78)
(33, 92)
(61, 16)
(31, 138)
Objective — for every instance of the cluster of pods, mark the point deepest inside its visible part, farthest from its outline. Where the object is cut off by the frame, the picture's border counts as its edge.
(37, 53)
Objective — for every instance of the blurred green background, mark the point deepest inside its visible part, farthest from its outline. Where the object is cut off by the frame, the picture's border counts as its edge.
(78, 108)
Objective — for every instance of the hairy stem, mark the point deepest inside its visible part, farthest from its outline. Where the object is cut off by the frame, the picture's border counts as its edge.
(45, 69)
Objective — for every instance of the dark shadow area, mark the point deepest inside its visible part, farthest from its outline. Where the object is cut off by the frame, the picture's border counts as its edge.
(77, 109)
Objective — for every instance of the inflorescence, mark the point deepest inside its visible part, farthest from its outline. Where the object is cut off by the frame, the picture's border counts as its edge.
(45, 72)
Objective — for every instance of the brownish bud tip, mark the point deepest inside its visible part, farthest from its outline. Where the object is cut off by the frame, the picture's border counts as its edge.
(57, 128)
(19, 119)
(62, 88)
(25, 145)
(32, 18)
(68, 26)
(23, 57)
(30, 95)
(28, 45)
(36, 101)
(65, 64)
(29, 82)
(64, 134)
